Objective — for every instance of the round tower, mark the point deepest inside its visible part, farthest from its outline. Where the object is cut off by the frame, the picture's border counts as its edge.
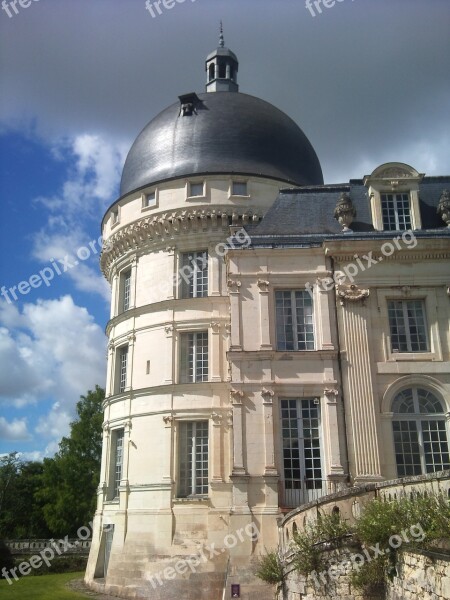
(172, 481)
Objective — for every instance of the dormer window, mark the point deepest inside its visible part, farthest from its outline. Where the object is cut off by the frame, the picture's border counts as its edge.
(149, 200)
(393, 190)
(396, 212)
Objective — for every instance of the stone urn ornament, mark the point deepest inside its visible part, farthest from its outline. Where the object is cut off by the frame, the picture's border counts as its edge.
(345, 212)
(443, 208)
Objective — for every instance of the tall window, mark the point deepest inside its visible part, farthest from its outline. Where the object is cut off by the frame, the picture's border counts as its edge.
(396, 212)
(193, 458)
(193, 274)
(302, 465)
(407, 325)
(420, 436)
(117, 438)
(122, 363)
(125, 290)
(294, 320)
(194, 357)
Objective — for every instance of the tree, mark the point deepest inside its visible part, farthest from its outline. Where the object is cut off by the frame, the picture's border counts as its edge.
(70, 479)
(20, 513)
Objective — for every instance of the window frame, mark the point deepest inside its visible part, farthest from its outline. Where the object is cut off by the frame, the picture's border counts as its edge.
(190, 184)
(125, 291)
(407, 325)
(419, 418)
(116, 468)
(187, 485)
(184, 287)
(396, 211)
(239, 182)
(188, 374)
(144, 198)
(121, 378)
(294, 325)
(301, 491)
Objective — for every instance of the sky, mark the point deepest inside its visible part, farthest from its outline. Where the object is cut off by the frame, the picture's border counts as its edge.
(368, 81)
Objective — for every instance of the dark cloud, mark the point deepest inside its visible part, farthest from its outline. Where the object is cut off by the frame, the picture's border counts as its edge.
(367, 80)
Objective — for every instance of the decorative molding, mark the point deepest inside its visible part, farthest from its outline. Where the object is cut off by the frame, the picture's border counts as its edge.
(171, 249)
(111, 347)
(169, 330)
(168, 419)
(331, 392)
(157, 228)
(131, 337)
(352, 293)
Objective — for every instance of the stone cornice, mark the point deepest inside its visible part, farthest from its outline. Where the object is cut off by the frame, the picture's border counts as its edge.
(163, 227)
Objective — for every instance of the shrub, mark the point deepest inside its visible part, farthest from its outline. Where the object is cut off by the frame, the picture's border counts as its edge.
(270, 568)
(6, 559)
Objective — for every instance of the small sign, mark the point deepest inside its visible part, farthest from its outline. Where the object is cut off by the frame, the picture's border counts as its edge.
(235, 590)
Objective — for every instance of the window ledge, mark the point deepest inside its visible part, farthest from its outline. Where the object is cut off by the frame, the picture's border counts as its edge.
(196, 499)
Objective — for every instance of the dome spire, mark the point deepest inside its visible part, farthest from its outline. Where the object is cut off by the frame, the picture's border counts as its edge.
(221, 40)
(221, 68)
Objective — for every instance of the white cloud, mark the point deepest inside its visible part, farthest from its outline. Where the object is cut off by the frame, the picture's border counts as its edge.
(51, 353)
(15, 430)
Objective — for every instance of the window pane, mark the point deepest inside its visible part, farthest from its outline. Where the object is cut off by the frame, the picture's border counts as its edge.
(396, 212)
(435, 446)
(193, 458)
(194, 357)
(239, 188)
(196, 189)
(126, 290)
(294, 320)
(193, 274)
(118, 461)
(406, 445)
(123, 360)
(407, 326)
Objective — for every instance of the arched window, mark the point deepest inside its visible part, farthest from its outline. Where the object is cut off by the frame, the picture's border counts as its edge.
(420, 436)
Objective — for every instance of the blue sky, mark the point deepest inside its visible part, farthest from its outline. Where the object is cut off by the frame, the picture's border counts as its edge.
(367, 80)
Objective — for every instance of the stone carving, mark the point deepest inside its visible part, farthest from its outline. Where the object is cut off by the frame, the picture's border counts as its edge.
(169, 330)
(443, 208)
(167, 419)
(233, 285)
(345, 212)
(216, 418)
(267, 395)
(263, 285)
(352, 293)
(236, 396)
(394, 172)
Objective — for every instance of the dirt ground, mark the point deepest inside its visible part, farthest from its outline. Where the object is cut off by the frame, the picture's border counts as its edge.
(78, 585)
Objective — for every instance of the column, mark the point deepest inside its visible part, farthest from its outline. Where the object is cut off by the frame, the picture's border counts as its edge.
(238, 433)
(133, 282)
(213, 272)
(114, 294)
(235, 310)
(169, 354)
(333, 433)
(216, 356)
(361, 404)
(267, 397)
(172, 284)
(216, 445)
(130, 360)
(264, 316)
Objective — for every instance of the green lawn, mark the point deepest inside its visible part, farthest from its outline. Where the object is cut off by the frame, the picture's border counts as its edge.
(42, 587)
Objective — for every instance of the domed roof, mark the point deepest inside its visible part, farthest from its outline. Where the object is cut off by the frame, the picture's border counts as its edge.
(225, 133)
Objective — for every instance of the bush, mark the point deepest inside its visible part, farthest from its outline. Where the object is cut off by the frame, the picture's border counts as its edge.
(270, 568)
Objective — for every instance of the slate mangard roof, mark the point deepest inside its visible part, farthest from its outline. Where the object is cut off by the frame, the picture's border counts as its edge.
(305, 215)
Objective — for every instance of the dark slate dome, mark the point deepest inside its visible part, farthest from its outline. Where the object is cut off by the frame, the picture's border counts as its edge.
(225, 133)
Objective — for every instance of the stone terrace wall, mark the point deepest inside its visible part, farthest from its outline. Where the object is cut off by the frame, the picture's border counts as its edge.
(424, 576)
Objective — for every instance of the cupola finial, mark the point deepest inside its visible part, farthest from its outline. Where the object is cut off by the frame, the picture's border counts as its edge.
(221, 40)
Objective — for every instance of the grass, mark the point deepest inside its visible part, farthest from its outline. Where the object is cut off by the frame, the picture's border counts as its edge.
(44, 587)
